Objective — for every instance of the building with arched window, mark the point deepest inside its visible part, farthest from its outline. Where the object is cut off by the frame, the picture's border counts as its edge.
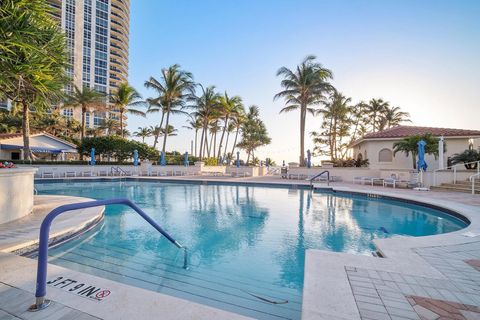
(377, 147)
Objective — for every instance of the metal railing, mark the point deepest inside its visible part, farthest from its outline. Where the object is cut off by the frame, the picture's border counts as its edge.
(454, 168)
(318, 175)
(472, 180)
(41, 286)
(118, 170)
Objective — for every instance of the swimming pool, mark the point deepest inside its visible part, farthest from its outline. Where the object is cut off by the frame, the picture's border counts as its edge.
(246, 243)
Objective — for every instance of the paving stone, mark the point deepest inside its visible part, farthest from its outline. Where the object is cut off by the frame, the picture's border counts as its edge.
(425, 313)
(397, 304)
(368, 299)
(365, 291)
(367, 314)
(371, 307)
(470, 315)
(409, 314)
(362, 284)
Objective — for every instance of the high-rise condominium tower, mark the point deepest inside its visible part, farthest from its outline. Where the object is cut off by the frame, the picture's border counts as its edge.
(97, 34)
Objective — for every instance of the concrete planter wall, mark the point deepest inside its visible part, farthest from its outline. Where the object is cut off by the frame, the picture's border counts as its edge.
(16, 193)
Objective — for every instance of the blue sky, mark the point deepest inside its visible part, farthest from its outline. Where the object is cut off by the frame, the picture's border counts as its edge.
(423, 56)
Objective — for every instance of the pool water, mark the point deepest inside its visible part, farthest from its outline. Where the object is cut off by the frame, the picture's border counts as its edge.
(246, 243)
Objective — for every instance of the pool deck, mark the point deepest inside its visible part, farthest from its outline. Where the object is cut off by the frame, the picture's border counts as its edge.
(434, 277)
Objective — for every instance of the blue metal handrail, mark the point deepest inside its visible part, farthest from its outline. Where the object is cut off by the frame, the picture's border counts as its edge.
(41, 286)
(318, 175)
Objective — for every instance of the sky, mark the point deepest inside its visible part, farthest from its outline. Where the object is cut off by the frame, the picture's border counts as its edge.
(423, 56)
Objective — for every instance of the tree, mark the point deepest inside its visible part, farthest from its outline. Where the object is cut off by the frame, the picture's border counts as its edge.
(171, 131)
(206, 110)
(335, 127)
(409, 145)
(194, 124)
(229, 107)
(304, 87)
(155, 131)
(391, 117)
(143, 133)
(123, 99)
(375, 108)
(89, 100)
(468, 157)
(173, 88)
(33, 58)
(254, 133)
(238, 122)
(111, 125)
(117, 147)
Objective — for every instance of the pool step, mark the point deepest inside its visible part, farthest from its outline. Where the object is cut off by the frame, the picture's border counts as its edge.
(235, 294)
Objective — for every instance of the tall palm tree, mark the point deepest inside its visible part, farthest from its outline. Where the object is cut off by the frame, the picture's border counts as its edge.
(230, 129)
(33, 58)
(173, 88)
(375, 108)
(143, 132)
(393, 116)
(229, 106)
(409, 145)
(156, 131)
(206, 109)
(110, 125)
(123, 99)
(171, 131)
(194, 124)
(89, 100)
(304, 87)
(238, 122)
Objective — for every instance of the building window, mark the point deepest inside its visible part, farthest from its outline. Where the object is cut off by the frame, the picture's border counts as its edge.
(385, 155)
(68, 113)
(15, 155)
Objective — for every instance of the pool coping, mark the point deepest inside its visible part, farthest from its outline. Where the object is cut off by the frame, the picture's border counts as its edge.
(331, 297)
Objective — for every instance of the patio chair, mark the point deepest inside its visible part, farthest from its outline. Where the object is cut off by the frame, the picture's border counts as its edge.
(71, 174)
(48, 174)
(372, 180)
(87, 174)
(393, 181)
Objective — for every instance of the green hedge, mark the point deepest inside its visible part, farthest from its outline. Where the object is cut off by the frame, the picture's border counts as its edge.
(117, 147)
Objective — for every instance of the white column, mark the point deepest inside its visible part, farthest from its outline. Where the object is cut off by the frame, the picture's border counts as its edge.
(440, 153)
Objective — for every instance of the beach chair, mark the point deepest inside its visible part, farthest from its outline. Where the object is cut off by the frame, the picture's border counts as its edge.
(71, 174)
(48, 174)
(393, 181)
(87, 174)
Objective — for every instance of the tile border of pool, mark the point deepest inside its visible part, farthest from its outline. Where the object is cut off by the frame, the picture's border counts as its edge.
(327, 293)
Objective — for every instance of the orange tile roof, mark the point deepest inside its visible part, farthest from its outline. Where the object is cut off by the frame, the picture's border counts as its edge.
(406, 131)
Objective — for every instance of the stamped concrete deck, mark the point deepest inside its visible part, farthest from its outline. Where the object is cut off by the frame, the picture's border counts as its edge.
(22, 235)
(435, 277)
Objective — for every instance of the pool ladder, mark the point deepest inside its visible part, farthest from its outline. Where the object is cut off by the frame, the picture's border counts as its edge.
(41, 287)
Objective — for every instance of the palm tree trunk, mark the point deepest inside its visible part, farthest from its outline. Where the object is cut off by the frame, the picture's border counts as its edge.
(27, 154)
(196, 133)
(211, 144)
(414, 159)
(201, 143)
(221, 139)
(226, 145)
(206, 147)
(158, 132)
(166, 132)
(248, 157)
(235, 142)
(82, 134)
(302, 134)
(121, 124)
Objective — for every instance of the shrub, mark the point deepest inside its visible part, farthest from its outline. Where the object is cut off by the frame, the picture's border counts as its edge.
(350, 163)
(467, 156)
(211, 161)
(118, 148)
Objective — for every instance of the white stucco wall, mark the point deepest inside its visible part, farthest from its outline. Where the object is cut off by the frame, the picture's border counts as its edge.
(16, 193)
(370, 150)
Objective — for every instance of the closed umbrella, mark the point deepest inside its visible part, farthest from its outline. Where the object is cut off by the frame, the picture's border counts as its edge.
(92, 156)
(309, 159)
(135, 158)
(163, 162)
(238, 159)
(185, 159)
(421, 164)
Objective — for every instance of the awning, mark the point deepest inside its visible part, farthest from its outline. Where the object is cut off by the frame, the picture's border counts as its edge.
(36, 149)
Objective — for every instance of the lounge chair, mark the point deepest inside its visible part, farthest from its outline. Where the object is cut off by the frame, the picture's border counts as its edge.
(393, 181)
(87, 174)
(70, 174)
(48, 174)
(103, 173)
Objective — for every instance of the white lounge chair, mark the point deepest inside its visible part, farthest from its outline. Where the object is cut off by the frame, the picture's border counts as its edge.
(393, 181)
(87, 174)
(48, 174)
(71, 174)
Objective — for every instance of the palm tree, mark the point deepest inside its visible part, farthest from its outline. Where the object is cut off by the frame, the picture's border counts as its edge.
(171, 131)
(143, 133)
(230, 106)
(194, 124)
(409, 145)
(206, 106)
(89, 100)
(254, 133)
(173, 89)
(230, 129)
(304, 87)
(375, 108)
(110, 125)
(392, 116)
(33, 58)
(123, 99)
(238, 122)
(156, 131)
